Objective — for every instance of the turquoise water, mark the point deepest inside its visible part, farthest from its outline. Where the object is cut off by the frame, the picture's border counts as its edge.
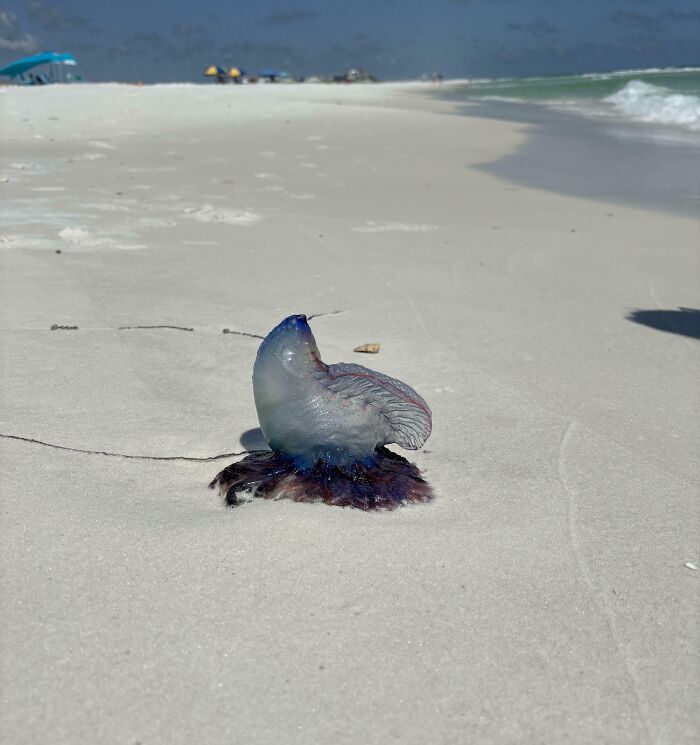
(661, 96)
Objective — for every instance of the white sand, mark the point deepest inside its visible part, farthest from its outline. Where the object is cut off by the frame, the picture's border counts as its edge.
(543, 597)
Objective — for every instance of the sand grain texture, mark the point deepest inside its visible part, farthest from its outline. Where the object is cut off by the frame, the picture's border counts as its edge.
(543, 597)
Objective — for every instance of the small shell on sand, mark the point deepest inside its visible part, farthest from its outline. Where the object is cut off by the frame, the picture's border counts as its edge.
(371, 348)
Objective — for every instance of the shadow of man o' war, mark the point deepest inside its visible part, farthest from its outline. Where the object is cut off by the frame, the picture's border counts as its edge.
(684, 321)
(253, 439)
(326, 426)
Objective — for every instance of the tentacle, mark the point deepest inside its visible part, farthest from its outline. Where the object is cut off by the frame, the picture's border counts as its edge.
(255, 474)
(388, 482)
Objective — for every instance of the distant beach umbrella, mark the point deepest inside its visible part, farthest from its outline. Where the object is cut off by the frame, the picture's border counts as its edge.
(273, 74)
(234, 72)
(20, 66)
(218, 72)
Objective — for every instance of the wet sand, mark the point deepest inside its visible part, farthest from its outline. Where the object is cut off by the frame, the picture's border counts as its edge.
(631, 164)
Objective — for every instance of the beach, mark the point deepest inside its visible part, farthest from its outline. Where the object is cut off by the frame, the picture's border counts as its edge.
(547, 594)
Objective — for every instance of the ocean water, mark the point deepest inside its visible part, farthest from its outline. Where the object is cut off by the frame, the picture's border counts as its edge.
(629, 137)
(669, 97)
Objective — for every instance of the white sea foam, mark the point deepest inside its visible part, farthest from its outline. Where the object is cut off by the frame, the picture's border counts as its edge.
(401, 227)
(75, 235)
(80, 238)
(103, 144)
(208, 213)
(668, 97)
(652, 103)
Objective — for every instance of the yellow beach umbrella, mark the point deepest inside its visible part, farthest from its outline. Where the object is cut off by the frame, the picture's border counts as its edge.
(211, 70)
(234, 72)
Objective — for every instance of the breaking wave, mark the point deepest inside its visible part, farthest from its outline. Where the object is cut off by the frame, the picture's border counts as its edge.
(668, 97)
(652, 103)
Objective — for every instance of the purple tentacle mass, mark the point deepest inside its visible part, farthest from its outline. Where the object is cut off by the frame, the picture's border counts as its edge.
(327, 426)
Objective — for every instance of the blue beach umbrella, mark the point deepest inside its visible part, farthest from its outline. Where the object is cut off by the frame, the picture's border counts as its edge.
(272, 74)
(20, 66)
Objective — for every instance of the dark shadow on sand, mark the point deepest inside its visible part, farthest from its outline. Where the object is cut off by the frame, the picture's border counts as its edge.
(684, 321)
(252, 439)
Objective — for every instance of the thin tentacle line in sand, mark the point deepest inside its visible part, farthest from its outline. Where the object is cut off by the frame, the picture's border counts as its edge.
(597, 597)
(111, 454)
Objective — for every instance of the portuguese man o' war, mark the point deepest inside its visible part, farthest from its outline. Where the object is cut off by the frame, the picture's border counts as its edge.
(327, 426)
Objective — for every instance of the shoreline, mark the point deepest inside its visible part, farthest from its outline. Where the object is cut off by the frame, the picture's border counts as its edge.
(633, 164)
(626, 163)
(544, 595)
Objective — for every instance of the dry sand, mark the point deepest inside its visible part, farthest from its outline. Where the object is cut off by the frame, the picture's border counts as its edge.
(543, 597)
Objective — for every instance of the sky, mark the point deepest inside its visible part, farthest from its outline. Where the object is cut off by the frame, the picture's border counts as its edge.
(152, 40)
